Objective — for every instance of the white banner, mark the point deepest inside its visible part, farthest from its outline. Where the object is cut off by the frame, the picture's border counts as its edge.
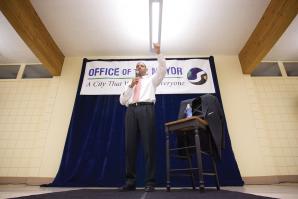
(183, 76)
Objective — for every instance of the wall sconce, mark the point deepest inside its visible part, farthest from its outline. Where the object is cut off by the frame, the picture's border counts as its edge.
(155, 19)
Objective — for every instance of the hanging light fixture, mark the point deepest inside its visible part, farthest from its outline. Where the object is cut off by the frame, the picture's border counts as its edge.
(155, 19)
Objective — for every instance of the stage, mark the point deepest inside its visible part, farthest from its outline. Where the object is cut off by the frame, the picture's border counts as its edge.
(284, 190)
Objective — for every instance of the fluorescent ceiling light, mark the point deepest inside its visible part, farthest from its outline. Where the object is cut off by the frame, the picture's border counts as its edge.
(155, 17)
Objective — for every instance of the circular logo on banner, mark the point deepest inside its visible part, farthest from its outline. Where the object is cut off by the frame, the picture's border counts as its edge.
(197, 76)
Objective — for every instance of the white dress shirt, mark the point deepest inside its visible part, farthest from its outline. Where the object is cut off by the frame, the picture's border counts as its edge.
(148, 85)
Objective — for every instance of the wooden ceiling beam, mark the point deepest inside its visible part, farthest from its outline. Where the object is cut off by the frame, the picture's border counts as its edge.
(275, 20)
(26, 22)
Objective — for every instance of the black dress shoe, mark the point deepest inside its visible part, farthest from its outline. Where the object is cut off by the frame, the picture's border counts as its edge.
(149, 188)
(127, 187)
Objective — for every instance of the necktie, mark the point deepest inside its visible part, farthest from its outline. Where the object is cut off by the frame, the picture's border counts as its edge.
(136, 94)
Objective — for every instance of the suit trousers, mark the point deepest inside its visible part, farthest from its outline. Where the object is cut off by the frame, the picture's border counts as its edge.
(140, 123)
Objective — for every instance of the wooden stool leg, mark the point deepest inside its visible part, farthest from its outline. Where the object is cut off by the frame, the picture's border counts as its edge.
(188, 155)
(213, 163)
(216, 175)
(168, 160)
(199, 160)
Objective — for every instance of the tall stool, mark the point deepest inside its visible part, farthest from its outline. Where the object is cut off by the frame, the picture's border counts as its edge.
(191, 125)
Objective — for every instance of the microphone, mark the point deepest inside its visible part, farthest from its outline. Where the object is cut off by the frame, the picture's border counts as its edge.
(137, 74)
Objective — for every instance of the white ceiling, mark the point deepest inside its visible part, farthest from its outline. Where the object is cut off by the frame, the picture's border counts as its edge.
(121, 28)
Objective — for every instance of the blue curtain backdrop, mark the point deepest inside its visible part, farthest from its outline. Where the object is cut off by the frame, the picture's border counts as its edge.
(94, 150)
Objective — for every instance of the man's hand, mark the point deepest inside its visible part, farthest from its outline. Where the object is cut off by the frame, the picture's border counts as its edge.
(134, 82)
(156, 48)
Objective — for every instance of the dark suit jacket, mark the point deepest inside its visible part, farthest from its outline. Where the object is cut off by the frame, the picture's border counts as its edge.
(213, 113)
